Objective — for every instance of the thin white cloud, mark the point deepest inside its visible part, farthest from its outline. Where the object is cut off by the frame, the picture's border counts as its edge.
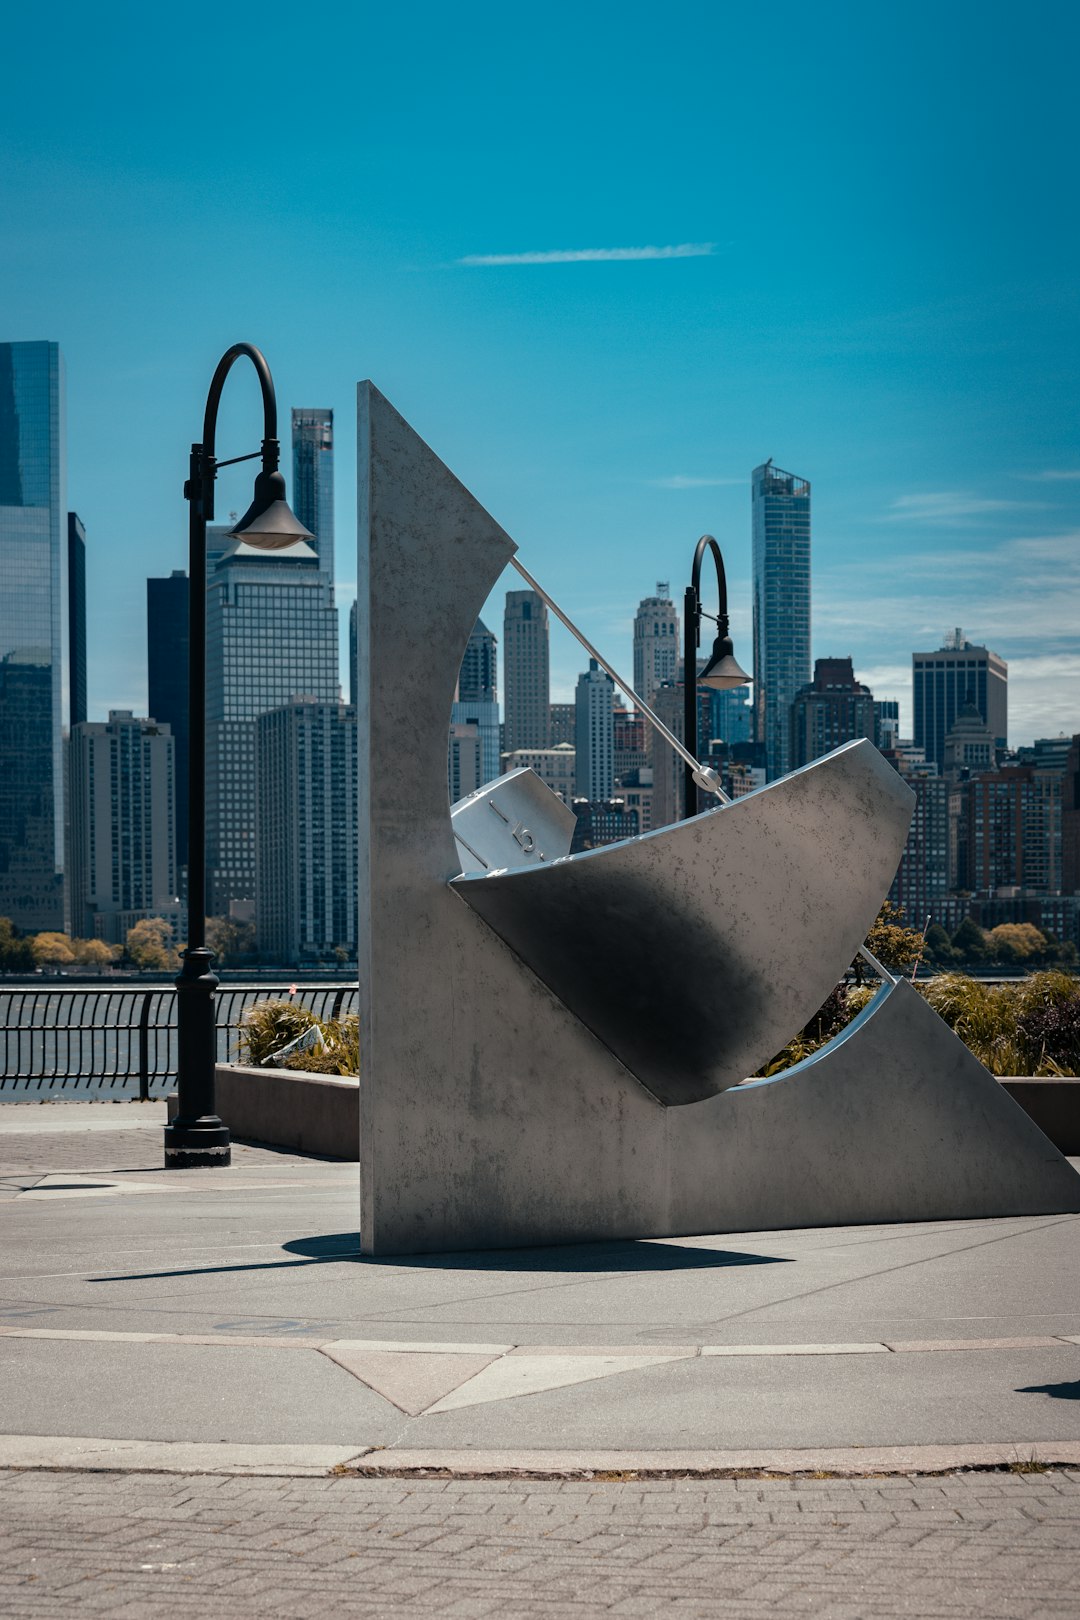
(679, 250)
(681, 481)
(1052, 475)
(952, 506)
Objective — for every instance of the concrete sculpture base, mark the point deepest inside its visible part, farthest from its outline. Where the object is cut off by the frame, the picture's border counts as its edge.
(490, 1116)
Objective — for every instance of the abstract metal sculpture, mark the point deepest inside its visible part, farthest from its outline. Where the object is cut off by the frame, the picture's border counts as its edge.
(543, 1054)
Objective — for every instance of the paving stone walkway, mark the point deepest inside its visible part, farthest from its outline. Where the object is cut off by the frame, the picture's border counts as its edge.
(1001, 1546)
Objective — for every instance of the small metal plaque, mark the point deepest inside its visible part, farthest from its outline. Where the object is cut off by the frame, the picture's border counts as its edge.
(512, 822)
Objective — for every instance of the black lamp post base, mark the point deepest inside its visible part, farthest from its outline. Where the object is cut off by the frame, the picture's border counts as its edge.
(192, 1144)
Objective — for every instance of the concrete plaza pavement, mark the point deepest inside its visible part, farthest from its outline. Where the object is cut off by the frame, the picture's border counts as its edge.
(232, 1307)
(208, 1399)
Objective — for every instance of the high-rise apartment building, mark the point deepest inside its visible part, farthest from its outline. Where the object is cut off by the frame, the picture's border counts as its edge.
(630, 733)
(944, 681)
(526, 672)
(563, 724)
(123, 831)
(656, 641)
(306, 809)
(313, 480)
(463, 757)
(34, 689)
(780, 512)
(1010, 831)
(594, 765)
(76, 557)
(167, 604)
(921, 883)
(834, 708)
(272, 635)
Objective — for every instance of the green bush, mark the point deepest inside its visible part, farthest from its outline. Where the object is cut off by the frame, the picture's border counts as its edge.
(1031, 1027)
(1028, 1028)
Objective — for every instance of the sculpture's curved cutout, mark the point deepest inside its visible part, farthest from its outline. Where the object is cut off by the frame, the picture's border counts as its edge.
(695, 951)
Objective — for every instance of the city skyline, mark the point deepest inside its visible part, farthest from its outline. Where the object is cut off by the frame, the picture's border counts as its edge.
(595, 327)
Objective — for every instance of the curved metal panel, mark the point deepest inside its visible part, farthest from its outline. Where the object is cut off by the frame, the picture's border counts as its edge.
(694, 952)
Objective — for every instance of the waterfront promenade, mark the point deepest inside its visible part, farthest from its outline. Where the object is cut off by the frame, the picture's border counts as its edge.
(207, 1395)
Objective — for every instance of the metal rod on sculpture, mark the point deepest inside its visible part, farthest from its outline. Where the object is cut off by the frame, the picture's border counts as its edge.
(704, 775)
(878, 967)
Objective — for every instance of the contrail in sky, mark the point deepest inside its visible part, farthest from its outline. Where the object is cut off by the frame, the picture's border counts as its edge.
(680, 250)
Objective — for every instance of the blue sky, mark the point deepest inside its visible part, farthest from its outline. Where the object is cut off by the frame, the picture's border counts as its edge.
(883, 296)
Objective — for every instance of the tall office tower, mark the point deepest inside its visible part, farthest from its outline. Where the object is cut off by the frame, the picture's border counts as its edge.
(167, 605)
(306, 809)
(123, 830)
(526, 672)
(76, 556)
(834, 708)
(886, 723)
(477, 702)
(313, 480)
(656, 641)
(563, 724)
(945, 680)
(272, 635)
(731, 715)
(354, 654)
(478, 677)
(594, 765)
(780, 510)
(921, 883)
(483, 715)
(33, 634)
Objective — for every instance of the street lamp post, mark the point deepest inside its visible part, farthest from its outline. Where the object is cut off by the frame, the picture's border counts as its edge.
(196, 1136)
(720, 673)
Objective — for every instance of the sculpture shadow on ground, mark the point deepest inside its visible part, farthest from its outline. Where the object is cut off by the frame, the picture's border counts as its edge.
(622, 1255)
(628, 1256)
(1067, 1391)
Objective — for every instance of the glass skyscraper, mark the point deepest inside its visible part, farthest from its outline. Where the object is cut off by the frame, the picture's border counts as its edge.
(33, 634)
(780, 505)
(313, 480)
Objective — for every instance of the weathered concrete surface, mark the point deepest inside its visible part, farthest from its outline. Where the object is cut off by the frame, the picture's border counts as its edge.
(288, 1108)
(695, 951)
(490, 1116)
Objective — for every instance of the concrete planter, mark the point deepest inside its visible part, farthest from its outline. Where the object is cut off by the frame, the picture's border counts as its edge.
(289, 1108)
(1054, 1104)
(320, 1113)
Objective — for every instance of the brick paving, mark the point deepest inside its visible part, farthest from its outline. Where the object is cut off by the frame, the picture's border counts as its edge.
(997, 1545)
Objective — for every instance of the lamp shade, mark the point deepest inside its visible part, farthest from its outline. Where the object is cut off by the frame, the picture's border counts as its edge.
(269, 524)
(722, 672)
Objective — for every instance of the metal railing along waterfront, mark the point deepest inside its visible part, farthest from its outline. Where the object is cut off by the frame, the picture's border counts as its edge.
(100, 1042)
